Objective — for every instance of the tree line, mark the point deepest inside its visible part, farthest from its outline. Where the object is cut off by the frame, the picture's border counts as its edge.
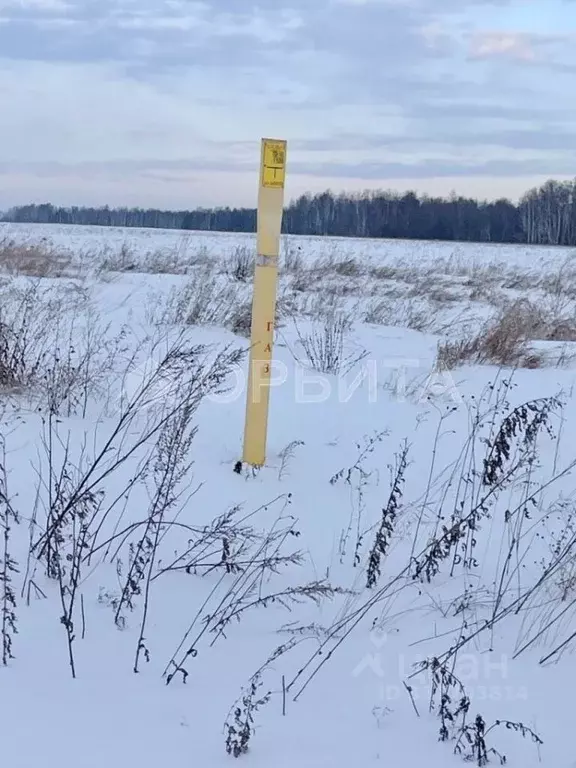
(545, 215)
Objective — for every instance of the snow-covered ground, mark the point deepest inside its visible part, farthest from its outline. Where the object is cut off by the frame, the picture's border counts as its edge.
(418, 253)
(165, 605)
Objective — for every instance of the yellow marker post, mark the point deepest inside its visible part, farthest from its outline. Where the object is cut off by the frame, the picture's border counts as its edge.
(269, 224)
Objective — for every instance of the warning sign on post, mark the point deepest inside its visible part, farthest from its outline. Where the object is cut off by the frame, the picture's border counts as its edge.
(274, 164)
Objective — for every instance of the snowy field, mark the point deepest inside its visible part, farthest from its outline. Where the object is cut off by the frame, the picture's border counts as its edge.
(396, 587)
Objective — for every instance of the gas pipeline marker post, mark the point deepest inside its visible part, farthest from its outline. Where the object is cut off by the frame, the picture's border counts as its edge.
(269, 224)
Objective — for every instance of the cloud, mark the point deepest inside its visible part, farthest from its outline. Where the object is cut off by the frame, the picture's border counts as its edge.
(527, 139)
(521, 46)
(41, 6)
(489, 44)
(177, 92)
(433, 169)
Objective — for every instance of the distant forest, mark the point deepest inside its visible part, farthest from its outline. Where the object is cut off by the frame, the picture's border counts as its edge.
(544, 215)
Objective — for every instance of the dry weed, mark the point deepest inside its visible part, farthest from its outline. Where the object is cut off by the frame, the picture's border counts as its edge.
(548, 320)
(487, 293)
(34, 260)
(53, 348)
(326, 345)
(346, 267)
(239, 264)
(561, 283)
(503, 342)
(309, 279)
(292, 259)
(386, 272)
(205, 299)
(240, 320)
(439, 293)
(402, 313)
(177, 260)
(315, 306)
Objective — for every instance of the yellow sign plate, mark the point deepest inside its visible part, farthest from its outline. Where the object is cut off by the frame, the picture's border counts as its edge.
(274, 163)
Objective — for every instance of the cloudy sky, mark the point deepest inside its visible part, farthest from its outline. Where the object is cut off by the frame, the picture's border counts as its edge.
(164, 102)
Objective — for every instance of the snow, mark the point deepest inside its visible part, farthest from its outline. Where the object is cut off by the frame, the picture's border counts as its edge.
(421, 253)
(355, 708)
